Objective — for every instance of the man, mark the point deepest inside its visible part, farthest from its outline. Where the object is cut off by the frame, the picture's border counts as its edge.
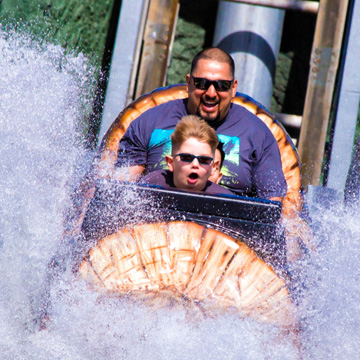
(252, 165)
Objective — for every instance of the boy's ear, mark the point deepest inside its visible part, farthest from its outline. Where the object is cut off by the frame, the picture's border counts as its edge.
(170, 160)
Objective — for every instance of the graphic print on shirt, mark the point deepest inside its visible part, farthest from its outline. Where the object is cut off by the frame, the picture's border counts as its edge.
(231, 147)
(161, 137)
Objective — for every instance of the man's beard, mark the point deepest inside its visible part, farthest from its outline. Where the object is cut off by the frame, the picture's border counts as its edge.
(208, 119)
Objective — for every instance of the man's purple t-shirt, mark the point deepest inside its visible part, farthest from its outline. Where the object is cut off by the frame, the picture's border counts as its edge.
(252, 165)
(165, 179)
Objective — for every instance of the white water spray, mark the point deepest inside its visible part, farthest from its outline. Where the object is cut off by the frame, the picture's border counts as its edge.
(44, 94)
(331, 307)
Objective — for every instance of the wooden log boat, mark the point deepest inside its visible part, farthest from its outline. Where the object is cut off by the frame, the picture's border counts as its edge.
(190, 255)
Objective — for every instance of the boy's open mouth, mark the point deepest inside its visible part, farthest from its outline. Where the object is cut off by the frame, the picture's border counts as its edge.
(193, 177)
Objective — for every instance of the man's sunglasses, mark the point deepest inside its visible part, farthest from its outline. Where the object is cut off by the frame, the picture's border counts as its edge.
(189, 158)
(219, 85)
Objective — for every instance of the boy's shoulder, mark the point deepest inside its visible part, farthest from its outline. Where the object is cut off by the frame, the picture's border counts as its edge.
(159, 177)
(212, 188)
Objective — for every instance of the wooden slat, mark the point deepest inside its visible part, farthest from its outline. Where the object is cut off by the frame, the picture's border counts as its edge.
(157, 44)
(325, 55)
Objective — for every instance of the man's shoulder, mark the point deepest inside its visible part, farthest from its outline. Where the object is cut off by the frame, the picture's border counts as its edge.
(161, 115)
(171, 105)
(251, 122)
(239, 110)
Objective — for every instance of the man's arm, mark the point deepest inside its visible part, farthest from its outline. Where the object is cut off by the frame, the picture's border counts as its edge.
(268, 175)
(132, 153)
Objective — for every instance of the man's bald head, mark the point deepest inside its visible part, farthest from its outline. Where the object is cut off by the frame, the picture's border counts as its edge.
(214, 54)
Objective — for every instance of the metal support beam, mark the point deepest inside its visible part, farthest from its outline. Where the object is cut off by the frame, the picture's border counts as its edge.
(293, 121)
(251, 35)
(347, 109)
(323, 68)
(120, 88)
(295, 5)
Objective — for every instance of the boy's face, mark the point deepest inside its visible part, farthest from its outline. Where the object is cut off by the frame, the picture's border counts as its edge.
(217, 174)
(191, 176)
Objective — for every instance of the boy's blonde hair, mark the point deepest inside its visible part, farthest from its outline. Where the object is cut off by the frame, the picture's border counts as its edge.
(193, 126)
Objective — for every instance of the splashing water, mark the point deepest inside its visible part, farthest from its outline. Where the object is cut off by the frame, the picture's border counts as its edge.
(44, 95)
(331, 308)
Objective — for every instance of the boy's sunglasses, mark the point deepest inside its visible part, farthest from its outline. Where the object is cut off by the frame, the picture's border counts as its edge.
(219, 85)
(189, 158)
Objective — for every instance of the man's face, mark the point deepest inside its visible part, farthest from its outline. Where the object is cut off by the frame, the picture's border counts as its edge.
(211, 105)
(191, 176)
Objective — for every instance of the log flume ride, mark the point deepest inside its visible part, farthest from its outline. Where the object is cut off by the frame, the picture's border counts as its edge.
(212, 251)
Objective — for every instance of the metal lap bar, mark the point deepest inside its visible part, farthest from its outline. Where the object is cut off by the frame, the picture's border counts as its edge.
(252, 209)
(252, 221)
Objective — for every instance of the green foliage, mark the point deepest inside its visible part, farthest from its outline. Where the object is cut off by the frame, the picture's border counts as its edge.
(189, 40)
(78, 25)
(282, 75)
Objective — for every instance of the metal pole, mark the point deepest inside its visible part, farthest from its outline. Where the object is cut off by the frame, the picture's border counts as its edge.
(120, 88)
(347, 109)
(323, 68)
(252, 35)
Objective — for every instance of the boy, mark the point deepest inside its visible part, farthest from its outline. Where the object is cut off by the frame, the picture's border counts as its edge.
(191, 162)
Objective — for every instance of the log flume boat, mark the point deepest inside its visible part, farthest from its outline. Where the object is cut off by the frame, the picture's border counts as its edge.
(219, 251)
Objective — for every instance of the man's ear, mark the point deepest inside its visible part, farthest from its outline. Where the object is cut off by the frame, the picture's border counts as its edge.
(187, 78)
(170, 160)
(219, 177)
(234, 87)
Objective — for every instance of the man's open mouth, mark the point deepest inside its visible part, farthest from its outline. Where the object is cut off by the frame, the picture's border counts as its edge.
(209, 105)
